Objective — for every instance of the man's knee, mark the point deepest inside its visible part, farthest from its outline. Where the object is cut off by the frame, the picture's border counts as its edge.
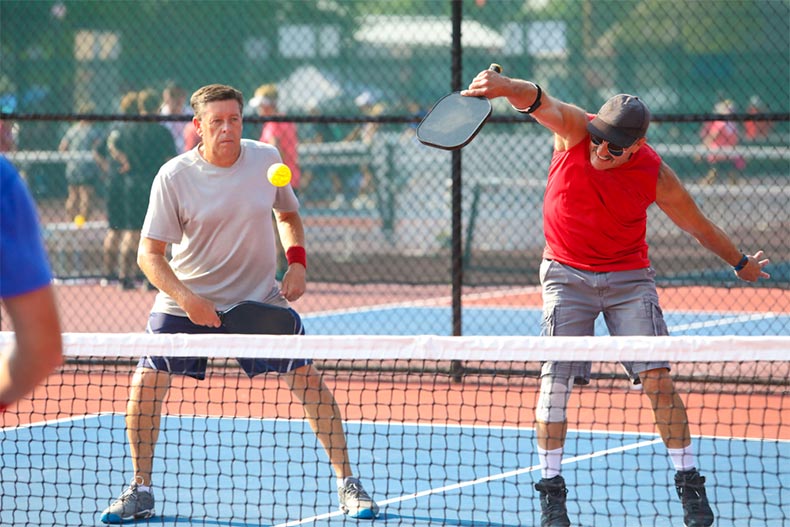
(658, 385)
(553, 399)
(304, 378)
(149, 386)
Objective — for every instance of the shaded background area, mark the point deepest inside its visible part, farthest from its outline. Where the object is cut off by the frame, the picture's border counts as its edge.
(355, 76)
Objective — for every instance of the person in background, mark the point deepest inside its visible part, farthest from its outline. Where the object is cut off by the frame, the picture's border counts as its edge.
(9, 130)
(281, 135)
(7, 136)
(139, 149)
(284, 137)
(174, 102)
(221, 256)
(82, 174)
(116, 197)
(26, 292)
(602, 178)
(364, 179)
(720, 137)
(191, 137)
(755, 131)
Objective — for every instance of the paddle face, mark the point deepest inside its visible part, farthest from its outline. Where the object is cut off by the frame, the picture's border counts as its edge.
(257, 318)
(453, 121)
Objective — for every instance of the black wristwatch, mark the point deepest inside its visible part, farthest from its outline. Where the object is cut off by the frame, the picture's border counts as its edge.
(535, 105)
(741, 263)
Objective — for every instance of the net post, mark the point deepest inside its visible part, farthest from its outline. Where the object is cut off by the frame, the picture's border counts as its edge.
(457, 230)
(457, 370)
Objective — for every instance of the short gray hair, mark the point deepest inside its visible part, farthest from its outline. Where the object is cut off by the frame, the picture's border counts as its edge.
(215, 92)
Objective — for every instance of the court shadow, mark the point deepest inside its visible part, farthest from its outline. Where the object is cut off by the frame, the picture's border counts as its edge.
(385, 516)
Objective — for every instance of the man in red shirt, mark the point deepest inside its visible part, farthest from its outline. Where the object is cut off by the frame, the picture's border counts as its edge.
(282, 135)
(603, 177)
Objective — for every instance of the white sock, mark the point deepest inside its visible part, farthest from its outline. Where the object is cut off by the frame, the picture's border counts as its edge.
(144, 488)
(550, 462)
(683, 458)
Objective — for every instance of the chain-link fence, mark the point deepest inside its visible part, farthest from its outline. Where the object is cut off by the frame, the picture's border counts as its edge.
(356, 76)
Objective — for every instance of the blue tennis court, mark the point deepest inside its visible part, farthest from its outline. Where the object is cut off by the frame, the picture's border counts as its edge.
(519, 321)
(224, 470)
(244, 472)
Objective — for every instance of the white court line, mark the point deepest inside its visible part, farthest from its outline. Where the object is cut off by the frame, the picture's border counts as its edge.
(430, 302)
(55, 421)
(724, 321)
(478, 481)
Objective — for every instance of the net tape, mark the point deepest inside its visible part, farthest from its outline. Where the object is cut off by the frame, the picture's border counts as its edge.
(429, 347)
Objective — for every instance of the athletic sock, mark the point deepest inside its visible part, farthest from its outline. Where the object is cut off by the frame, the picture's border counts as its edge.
(683, 458)
(550, 462)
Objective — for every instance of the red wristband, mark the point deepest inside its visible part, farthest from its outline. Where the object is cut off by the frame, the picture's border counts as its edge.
(3, 407)
(296, 254)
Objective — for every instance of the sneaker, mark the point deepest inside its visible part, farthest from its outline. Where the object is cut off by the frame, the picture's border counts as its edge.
(131, 505)
(691, 491)
(552, 502)
(355, 502)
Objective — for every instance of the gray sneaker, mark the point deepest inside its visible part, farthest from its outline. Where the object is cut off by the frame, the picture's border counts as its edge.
(355, 502)
(132, 505)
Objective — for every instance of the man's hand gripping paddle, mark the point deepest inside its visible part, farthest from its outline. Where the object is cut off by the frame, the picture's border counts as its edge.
(257, 318)
(455, 120)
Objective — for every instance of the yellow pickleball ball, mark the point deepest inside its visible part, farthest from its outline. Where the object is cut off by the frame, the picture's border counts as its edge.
(79, 220)
(279, 174)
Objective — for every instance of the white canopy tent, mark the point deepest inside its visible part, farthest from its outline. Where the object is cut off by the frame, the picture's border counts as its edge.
(394, 31)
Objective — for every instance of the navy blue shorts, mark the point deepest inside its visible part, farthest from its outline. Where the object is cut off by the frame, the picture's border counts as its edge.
(196, 366)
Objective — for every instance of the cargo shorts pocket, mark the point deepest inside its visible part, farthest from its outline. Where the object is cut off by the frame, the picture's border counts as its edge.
(657, 317)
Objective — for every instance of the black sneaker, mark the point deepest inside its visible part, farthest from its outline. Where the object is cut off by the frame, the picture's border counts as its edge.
(691, 491)
(552, 502)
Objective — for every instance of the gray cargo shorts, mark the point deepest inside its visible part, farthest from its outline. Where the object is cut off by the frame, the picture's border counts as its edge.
(573, 299)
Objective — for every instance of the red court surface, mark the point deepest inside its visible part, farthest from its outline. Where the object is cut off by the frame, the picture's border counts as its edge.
(384, 396)
(108, 309)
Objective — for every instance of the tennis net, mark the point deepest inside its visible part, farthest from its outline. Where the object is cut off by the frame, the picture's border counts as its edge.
(440, 431)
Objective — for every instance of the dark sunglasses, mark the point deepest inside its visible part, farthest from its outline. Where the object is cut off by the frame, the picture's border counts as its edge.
(614, 150)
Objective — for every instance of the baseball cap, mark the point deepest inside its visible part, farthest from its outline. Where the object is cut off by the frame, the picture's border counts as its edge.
(364, 99)
(621, 120)
(265, 94)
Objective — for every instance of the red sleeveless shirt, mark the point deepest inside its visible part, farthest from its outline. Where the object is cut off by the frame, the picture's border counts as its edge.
(596, 220)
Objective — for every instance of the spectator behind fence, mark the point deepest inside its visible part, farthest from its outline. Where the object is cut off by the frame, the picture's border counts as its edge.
(756, 130)
(720, 137)
(317, 178)
(82, 174)
(174, 102)
(7, 136)
(139, 149)
(8, 104)
(191, 137)
(116, 197)
(364, 179)
(282, 136)
(26, 292)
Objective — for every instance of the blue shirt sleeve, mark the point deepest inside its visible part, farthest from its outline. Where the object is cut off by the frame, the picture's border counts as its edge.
(23, 259)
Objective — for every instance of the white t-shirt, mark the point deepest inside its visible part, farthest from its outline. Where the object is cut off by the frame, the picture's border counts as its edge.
(219, 222)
